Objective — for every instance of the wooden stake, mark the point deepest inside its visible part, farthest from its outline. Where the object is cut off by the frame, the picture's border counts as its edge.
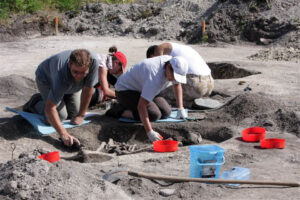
(203, 28)
(56, 25)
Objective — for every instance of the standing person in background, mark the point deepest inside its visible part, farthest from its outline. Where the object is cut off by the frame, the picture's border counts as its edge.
(199, 84)
(66, 83)
(111, 67)
(137, 90)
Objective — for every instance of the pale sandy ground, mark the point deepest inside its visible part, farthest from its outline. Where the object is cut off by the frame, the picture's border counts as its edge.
(279, 80)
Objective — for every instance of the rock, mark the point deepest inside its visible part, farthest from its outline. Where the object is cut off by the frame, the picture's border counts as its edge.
(264, 41)
(194, 138)
(207, 103)
(242, 82)
(166, 192)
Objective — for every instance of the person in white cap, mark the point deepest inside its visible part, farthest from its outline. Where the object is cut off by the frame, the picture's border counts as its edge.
(137, 90)
(199, 84)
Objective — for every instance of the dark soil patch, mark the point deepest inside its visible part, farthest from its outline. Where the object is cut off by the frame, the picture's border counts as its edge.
(228, 71)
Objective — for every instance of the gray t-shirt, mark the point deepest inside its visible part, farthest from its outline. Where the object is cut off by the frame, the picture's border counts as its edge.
(147, 77)
(54, 71)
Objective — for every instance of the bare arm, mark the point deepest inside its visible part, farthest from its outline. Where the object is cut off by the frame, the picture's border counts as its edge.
(53, 118)
(104, 83)
(86, 96)
(178, 95)
(85, 99)
(163, 49)
(142, 108)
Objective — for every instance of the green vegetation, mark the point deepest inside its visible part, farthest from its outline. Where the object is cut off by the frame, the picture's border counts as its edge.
(204, 38)
(30, 6)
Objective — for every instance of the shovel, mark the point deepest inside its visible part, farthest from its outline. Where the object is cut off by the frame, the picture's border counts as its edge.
(200, 180)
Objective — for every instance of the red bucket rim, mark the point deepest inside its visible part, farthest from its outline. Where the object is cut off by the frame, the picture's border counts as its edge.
(165, 145)
(50, 157)
(253, 134)
(271, 143)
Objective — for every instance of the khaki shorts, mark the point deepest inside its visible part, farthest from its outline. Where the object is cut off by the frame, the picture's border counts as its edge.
(197, 86)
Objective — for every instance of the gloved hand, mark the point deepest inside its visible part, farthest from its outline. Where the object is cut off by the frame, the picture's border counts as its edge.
(181, 114)
(154, 136)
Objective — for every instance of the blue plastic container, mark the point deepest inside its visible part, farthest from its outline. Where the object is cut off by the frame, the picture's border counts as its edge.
(236, 173)
(206, 161)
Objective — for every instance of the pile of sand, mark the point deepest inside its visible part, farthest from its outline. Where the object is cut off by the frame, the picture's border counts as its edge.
(31, 178)
(16, 86)
(279, 54)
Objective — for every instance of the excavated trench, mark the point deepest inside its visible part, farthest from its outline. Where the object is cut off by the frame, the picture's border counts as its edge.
(108, 135)
(221, 70)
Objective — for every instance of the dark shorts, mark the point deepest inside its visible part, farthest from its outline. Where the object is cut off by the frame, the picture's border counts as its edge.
(157, 109)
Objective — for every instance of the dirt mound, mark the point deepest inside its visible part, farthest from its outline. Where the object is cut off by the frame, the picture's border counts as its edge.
(16, 87)
(247, 105)
(232, 20)
(31, 178)
(226, 20)
(279, 54)
(40, 23)
(258, 110)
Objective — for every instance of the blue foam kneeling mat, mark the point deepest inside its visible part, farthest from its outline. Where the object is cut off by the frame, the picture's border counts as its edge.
(171, 118)
(37, 121)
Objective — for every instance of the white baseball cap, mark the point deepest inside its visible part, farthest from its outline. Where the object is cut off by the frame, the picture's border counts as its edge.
(180, 68)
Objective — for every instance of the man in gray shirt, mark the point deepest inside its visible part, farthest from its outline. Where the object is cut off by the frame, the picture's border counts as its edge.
(65, 82)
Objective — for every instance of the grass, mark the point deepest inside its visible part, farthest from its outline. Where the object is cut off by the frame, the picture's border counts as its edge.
(8, 7)
(204, 38)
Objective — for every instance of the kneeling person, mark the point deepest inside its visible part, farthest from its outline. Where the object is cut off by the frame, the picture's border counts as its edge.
(65, 82)
(199, 84)
(137, 90)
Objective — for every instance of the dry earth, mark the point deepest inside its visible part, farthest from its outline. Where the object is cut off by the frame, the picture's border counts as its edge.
(269, 99)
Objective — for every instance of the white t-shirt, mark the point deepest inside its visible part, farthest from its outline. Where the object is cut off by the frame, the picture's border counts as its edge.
(147, 77)
(197, 65)
(104, 61)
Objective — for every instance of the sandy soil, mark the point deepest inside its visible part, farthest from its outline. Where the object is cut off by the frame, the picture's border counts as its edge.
(273, 99)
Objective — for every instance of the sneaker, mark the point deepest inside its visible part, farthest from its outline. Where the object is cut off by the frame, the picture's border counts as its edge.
(29, 105)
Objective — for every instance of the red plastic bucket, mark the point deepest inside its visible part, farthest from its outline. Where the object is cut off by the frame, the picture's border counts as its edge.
(253, 134)
(165, 146)
(50, 157)
(272, 143)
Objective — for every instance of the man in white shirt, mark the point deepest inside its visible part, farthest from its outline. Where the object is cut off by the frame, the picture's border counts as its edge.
(199, 84)
(137, 90)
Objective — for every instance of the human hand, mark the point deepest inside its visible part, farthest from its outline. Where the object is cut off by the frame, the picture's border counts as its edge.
(181, 114)
(77, 120)
(69, 140)
(154, 136)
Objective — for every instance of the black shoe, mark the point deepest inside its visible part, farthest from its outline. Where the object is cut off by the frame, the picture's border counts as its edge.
(29, 106)
(116, 110)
